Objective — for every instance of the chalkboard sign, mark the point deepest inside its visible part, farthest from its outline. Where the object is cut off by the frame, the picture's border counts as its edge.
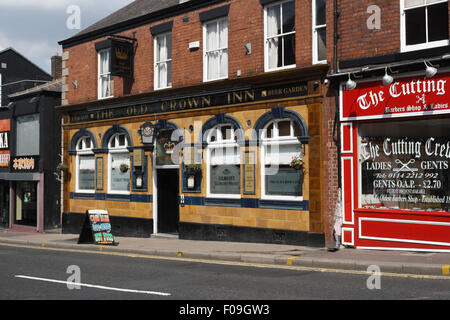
(96, 228)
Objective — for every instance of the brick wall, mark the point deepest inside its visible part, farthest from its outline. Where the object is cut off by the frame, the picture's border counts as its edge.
(245, 24)
(356, 40)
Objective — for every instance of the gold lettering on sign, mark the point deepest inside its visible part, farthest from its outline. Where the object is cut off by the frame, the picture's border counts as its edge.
(241, 96)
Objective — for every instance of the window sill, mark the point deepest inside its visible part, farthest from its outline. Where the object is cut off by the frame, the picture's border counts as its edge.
(424, 46)
(292, 66)
(104, 98)
(217, 79)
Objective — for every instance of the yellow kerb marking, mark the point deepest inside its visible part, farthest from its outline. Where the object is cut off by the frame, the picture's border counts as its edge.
(446, 269)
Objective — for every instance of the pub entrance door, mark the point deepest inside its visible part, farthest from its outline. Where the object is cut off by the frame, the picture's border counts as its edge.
(168, 201)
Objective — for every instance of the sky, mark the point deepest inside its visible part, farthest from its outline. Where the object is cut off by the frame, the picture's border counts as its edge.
(34, 27)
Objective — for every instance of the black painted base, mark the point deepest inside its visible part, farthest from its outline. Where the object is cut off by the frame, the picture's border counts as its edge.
(197, 231)
(121, 226)
(143, 228)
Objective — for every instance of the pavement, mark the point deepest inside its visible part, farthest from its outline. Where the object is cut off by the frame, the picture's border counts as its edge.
(356, 260)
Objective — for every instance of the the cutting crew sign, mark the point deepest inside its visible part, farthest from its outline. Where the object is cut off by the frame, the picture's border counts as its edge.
(412, 96)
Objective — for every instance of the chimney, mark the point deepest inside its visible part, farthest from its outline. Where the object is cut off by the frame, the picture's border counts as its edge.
(56, 67)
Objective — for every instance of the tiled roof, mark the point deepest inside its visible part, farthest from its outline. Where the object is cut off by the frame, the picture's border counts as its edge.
(136, 9)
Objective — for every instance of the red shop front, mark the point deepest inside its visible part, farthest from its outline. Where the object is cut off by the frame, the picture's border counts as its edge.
(395, 160)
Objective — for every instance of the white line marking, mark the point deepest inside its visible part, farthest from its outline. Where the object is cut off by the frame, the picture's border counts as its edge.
(94, 286)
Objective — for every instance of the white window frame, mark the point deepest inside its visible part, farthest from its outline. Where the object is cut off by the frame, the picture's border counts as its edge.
(426, 45)
(102, 75)
(220, 143)
(316, 28)
(281, 35)
(218, 49)
(117, 149)
(85, 150)
(161, 62)
(276, 140)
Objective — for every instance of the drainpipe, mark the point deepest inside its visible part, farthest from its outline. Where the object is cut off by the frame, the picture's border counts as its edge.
(337, 126)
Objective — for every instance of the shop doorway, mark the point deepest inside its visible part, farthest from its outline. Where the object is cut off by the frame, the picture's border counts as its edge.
(168, 210)
(25, 212)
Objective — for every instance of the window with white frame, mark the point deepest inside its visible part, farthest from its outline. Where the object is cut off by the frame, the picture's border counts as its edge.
(223, 162)
(279, 33)
(163, 60)
(424, 24)
(104, 74)
(319, 31)
(119, 164)
(280, 145)
(215, 39)
(85, 165)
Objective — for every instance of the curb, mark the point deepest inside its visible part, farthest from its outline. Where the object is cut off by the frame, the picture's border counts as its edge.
(417, 269)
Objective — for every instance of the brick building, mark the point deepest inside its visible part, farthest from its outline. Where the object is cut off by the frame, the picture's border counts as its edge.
(391, 86)
(183, 117)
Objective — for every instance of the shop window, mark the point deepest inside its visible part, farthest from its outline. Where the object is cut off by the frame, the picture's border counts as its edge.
(85, 165)
(280, 145)
(279, 35)
(424, 24)
(404, 165)
(223, 162)
(319, 31)
(163, 61)
(104, 74)
(119, 164)
(215, 39)
(27, 135)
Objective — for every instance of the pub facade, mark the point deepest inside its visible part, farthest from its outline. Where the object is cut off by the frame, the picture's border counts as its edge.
(186, 122)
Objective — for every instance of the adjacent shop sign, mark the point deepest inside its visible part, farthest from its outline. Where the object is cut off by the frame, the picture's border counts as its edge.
(405, 173)
(96, 228)
(5, 126)
(406, 97)
(191, 102)
(24, 163)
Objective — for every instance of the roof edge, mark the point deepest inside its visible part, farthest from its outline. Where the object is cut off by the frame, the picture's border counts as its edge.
(138, 21)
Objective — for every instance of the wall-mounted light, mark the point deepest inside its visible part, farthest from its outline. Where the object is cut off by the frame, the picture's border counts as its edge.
(350, 84)
(75, 84)
(248, 48)
(387, 78)
(431, 70)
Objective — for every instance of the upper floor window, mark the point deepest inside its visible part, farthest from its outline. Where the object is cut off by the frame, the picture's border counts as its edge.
(279, 33)
(424, 24)
(215, 39)
(85, 165)
(27, 135)
(319, 31)
(163, 61)
(104, 74)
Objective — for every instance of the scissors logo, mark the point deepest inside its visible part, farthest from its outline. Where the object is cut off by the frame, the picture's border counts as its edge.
(405, 166)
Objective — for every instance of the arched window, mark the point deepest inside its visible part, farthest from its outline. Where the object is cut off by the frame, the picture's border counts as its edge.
(85, 165)
(118, 164)
(223, 162)
(280, 144)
